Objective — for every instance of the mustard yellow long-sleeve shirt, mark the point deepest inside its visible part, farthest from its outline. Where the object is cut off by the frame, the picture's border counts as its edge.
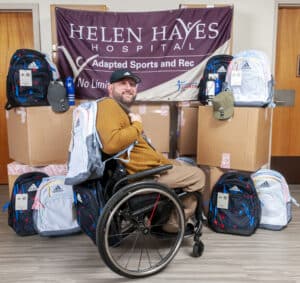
(117, 132)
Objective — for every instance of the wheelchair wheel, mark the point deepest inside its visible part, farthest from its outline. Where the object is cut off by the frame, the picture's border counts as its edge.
(130, 237)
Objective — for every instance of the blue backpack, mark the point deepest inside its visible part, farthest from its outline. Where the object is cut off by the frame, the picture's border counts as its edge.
(234, 206)
(20, 213)
(28, 78)
(215, 69)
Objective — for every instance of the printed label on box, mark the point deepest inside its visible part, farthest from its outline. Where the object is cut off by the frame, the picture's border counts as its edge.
(21, 202)
(223, 200)
(225, 162)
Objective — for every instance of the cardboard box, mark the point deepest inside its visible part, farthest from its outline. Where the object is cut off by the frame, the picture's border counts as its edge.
(241, 143)
(15, 169)
(38, 136)
(212, 175)
(156, 123)
(187, 128)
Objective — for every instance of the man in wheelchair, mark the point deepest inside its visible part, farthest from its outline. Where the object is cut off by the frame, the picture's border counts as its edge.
(119, 127)
(143, 222)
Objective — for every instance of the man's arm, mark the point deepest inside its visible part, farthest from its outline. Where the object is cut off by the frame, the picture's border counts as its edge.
(116, 128)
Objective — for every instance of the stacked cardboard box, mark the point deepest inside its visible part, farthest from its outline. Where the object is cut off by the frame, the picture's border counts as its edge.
(156, 123)
(37, 137)
(240, 143)
(187, 125)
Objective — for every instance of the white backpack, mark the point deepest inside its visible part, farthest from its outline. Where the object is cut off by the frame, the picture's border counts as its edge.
(250, 80)
(54, 212)
(85, 155)
(276, 201)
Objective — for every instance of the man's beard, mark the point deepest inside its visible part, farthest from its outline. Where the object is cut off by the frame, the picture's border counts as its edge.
(126, 102)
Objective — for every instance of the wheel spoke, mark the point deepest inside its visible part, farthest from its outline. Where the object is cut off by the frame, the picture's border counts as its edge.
(134, 222)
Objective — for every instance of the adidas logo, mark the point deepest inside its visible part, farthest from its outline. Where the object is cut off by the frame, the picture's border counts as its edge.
(221, 70)
(126, 74)
(33, 65)
(246, 66)
(57, 189)
(235, 189)
(32, 188)
(79, 198)
(265, 184)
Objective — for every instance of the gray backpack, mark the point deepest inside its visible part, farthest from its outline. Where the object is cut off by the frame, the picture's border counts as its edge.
(275, 198)
(85, 150)
(54, 212)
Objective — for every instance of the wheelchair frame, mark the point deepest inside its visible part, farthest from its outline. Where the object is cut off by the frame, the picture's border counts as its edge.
(129, 233)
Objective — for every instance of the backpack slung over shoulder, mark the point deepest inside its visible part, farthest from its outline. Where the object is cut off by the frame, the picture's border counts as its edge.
(28, 78)
(85, 150)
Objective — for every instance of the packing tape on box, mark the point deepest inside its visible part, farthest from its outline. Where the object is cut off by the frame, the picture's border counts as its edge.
(22, 112)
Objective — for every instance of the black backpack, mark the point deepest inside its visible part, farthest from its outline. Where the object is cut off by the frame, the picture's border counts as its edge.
(28, 78)
(89, 204)
(217, 64)
(91, 196)
(234, 205)
(21, 201)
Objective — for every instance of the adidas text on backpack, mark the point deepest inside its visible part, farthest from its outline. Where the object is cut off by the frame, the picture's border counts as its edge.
(28, 78)
(234, 206)
(20, 214)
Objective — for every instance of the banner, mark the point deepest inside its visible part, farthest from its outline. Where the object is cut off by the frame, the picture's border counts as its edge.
(166, 49)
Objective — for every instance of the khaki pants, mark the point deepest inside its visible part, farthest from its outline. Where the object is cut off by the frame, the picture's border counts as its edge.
(190, 179)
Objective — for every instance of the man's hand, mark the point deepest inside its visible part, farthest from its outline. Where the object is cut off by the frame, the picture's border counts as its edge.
(135, 117)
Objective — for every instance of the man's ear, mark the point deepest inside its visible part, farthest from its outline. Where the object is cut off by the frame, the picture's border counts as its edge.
(109, 88)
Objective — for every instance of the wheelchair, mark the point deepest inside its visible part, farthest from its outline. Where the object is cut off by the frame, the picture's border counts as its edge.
(129, 235)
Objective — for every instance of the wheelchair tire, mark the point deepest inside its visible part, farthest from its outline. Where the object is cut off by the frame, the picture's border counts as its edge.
(128, 242)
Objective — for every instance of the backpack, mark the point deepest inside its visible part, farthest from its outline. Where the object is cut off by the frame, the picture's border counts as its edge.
(22, 197)
(249, 78)
(215, 68)
(53, 208)
(85, 156)
(276, 201)
(89, 204)
(28, 78)
(90, 198)
(234, 205)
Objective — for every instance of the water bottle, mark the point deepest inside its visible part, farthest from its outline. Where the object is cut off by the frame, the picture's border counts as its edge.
(218, 86)
(210, 91)
(70, 90)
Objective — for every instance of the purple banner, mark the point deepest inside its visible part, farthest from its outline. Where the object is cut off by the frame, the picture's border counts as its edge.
(167, 49)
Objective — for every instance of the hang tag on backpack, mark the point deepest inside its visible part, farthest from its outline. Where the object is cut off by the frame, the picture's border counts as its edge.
(25, 77)
(21, 202)
(236, 78)
(223, 200)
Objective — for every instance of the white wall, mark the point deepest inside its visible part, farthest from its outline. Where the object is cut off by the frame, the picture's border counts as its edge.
(254, 22)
